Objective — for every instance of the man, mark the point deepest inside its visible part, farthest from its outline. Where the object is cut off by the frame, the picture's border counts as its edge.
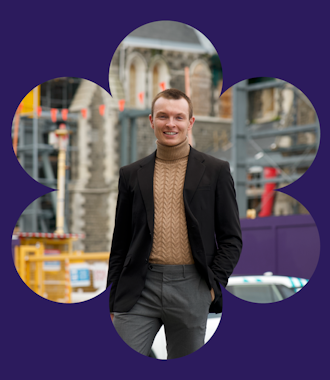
(177, 236)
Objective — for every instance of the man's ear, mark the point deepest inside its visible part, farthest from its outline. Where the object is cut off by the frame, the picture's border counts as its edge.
(151, 122)
(191, 122)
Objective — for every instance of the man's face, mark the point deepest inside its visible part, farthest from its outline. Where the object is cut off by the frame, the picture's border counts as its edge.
(170, 120)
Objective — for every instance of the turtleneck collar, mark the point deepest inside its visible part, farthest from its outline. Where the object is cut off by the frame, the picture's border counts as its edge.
(165, 152)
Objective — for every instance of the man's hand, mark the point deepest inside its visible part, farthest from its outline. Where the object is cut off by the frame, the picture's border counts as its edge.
(212, 294)
(111, 315)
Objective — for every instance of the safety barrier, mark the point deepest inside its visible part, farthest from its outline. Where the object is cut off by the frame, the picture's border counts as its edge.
(54, 282)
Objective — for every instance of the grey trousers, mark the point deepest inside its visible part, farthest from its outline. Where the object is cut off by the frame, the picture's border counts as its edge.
(176, 296)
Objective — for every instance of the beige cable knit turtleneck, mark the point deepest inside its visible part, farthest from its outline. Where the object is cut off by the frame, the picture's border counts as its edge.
(170, 243)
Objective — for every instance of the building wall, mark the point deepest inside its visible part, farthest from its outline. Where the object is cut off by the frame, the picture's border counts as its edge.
(175, 61)
(211, 134)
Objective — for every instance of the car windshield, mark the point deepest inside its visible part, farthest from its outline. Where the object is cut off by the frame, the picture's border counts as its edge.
(260, 293)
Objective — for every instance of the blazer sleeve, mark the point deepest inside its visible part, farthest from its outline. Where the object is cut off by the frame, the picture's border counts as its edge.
(227, 227)
(121, 236)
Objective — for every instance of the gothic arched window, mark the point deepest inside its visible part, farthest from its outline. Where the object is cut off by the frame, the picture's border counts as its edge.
(158, 77)
(132, 86)
(225, 103)
(136, 81)
(200, 80)
(155, 81)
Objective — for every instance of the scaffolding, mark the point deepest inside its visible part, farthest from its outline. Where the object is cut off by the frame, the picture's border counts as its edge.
(39, 157)
(290, 159)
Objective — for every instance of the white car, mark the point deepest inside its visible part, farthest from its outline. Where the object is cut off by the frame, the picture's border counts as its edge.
(265, 288)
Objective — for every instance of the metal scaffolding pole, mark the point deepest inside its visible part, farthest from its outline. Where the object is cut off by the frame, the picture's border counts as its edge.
(124, 142)
(239, 144)
(133, 131)
(35, 166)
(127, 119)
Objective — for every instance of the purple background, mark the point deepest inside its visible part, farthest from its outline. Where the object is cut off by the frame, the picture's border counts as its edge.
(45, 340)
(284, 245)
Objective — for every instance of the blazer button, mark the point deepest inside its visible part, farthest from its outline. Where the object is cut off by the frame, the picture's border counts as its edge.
(146, 260)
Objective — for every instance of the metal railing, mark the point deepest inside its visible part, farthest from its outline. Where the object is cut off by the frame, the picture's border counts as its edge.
(29, 260)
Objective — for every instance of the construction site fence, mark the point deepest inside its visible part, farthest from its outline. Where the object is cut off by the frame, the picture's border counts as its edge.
(55, 283)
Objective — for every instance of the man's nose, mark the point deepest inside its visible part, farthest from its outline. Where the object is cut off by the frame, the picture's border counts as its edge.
(170, 122)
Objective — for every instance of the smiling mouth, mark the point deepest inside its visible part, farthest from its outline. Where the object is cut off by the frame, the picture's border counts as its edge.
(170, 133)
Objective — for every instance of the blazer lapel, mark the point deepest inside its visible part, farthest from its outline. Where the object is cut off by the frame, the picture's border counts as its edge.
(146, 179)
(194, 173)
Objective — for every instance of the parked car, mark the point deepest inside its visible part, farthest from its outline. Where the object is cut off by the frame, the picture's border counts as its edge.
(265, 288)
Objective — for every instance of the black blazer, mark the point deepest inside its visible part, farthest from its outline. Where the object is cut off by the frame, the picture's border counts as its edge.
(212, 220)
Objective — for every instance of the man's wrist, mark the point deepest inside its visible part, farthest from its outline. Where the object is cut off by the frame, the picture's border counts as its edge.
(212, 294)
